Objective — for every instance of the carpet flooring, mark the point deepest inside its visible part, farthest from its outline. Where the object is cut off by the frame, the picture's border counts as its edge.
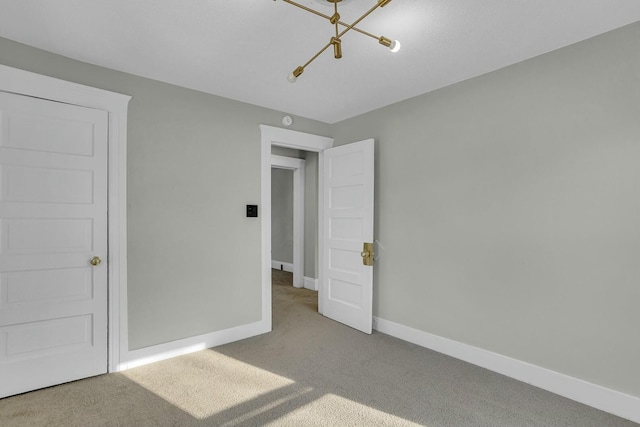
(310, 371)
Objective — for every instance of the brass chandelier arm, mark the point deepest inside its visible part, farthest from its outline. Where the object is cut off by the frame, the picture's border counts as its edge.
(308, 9)
(349, 27)
(336, 41)
(367, 13)
(336, 16)
(317, 54)
(327, 17)
(358, 30)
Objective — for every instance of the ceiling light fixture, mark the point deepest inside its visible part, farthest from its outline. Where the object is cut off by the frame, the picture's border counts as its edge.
(336, 41)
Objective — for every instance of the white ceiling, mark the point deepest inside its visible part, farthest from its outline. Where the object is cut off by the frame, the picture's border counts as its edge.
(244, 49)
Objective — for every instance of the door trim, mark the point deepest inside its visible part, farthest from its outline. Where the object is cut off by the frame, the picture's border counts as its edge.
(273, 136)
(298, 167)
(21, 82)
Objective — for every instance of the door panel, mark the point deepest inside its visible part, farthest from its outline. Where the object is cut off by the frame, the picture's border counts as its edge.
(36, 287)
(37, 339)
(43, 185)
(53, 220)
(347, 292)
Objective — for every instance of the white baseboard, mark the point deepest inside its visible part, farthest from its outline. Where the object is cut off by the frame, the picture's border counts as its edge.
(614, 402)
(181, 347)
(286, 266)
(310, 283)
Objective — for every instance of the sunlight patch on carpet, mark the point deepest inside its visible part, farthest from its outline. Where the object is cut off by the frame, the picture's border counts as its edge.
(333, 410)
(208, 383)
(226, 392)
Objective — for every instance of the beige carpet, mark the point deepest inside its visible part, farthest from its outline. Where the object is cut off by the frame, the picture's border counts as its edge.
(310, 371)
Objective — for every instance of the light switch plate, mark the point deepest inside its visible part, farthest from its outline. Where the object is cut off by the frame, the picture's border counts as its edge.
(252, 211)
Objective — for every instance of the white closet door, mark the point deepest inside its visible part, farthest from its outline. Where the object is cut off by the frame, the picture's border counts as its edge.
(53, 222)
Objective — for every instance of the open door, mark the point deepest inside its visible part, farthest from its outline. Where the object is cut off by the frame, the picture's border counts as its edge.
(347, 288)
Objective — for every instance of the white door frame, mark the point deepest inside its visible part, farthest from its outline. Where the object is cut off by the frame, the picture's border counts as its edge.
(26, 83)
(298, 167)
(273, 136)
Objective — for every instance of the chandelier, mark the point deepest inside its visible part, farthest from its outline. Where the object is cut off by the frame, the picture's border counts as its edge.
(336, 41)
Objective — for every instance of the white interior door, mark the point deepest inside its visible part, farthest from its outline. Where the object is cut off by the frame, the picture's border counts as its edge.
(347, 288)
(53, 221)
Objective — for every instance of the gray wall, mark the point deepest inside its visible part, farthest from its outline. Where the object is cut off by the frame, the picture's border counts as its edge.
(282, 215)
(194, 259)
(509, 208)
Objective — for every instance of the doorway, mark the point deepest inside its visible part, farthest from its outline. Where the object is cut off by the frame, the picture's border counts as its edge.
(277, 137)
(287, 229)
(345, 225)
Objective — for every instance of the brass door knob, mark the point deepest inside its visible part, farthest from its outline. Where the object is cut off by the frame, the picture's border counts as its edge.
(95, 261)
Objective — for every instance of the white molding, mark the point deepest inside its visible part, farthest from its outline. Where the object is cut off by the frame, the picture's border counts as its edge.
(296, 140)
(22, 82)
(269, 136)
(265, 199)
(311, 283)
(286, 266)
(284, 162)
(298, 168)
(320, 254)
(181, 347)
(605, 399)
